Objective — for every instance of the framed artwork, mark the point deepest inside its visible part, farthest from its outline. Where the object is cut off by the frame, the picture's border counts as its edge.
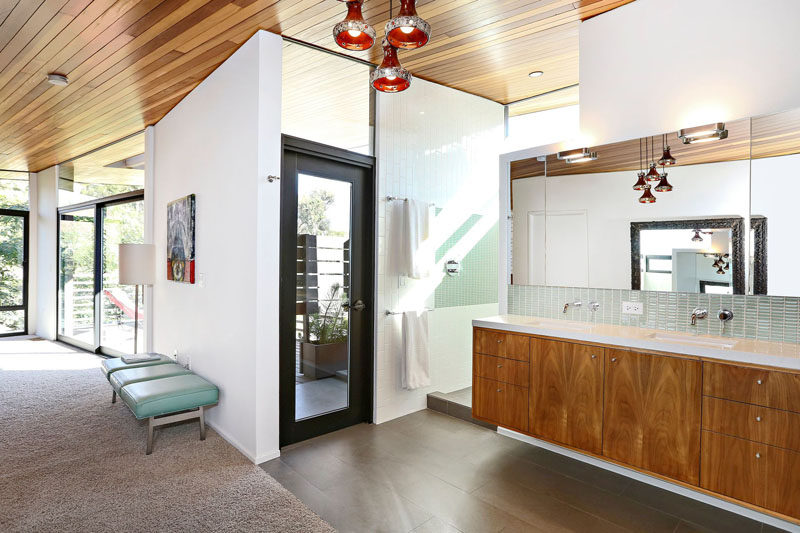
(180, 239)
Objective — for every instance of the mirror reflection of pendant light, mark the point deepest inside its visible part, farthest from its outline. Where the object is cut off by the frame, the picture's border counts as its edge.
(647, 197)
(353, 33)
(697, 237)
(663, 185)
(390, 76)
(408, 30)
(666, 158)
(640, 182)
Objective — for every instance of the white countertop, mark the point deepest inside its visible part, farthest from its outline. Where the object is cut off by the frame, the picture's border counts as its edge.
(778, 354)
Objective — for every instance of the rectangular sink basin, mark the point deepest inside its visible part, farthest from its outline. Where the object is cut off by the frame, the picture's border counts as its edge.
(694, 341)
(558, 324)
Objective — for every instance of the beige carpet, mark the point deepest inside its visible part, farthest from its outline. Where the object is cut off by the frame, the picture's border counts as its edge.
(72, 461)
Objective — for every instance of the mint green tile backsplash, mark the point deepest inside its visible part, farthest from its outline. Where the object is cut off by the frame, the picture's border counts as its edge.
(770, 318)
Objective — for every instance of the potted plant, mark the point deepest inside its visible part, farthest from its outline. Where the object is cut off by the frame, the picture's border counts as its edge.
(324, 352)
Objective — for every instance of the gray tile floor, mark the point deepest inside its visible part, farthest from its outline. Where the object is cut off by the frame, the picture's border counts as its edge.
(429, 472)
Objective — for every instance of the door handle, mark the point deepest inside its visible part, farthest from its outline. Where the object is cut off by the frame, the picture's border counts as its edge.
(357, 306)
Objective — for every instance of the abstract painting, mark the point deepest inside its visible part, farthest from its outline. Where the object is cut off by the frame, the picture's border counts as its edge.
(180, 239)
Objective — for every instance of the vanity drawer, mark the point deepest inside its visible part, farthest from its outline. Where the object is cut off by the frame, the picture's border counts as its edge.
(752, 422)
(502, 344)
(501, 403)
(734, 467)
(767, 388)
(505, 370)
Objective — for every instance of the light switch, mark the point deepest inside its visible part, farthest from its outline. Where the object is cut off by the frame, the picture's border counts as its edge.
(201, 280)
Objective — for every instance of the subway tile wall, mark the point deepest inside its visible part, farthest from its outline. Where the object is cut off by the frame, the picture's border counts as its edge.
(770, 318)
(441, 146)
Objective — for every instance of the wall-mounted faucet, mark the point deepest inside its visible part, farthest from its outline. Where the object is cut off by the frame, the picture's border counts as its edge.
(594, 306)
(698, 314)
(576, 303)
(725, 315)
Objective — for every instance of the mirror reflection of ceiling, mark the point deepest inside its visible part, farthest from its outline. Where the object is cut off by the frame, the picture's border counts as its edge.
(129, 64)
(121, 163)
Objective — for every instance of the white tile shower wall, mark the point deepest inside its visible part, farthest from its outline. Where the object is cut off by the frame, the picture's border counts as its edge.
(441, 146)
(770, 318)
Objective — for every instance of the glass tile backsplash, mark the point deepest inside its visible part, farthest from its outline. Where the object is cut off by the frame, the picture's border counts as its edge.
(770, 318)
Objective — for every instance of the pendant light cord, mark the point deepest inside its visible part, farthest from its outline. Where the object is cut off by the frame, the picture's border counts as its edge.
(640, 155)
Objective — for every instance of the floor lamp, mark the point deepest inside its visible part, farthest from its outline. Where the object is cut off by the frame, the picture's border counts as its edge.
(136, 267)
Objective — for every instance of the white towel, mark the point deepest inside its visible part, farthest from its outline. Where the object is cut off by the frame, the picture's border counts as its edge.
(415, 368)
(417, 257)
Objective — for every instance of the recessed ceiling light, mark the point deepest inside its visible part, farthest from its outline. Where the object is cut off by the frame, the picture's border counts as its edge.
(535, 73)
(57, 79)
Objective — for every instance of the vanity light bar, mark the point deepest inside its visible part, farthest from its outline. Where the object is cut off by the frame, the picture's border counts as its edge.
(699, 134)
(579, 155)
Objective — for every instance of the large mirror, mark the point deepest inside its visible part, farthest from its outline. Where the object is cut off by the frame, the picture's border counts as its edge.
(719, 223)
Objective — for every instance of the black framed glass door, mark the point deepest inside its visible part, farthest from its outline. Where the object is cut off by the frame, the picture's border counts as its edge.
(13, 272)
(326, 324)
(95, 312)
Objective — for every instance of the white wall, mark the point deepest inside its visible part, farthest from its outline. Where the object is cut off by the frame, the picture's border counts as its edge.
(437, 145)
(726, 60)
(774, 183)
(44, 269)
(710, 190)
(220, 143)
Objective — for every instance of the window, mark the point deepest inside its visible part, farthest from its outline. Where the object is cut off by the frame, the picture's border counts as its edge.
(658, 264)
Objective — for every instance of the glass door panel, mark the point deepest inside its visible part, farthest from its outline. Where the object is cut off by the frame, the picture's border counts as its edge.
(13, 278)
(122, 223)
(322, 345)
(76, 259)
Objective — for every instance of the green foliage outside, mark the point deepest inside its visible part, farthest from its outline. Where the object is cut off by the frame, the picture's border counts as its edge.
(329, 326)
(312, 218)
(13, 195)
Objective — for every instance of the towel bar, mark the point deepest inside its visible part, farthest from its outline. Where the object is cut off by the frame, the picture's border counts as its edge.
(399, 199)
(401, 312)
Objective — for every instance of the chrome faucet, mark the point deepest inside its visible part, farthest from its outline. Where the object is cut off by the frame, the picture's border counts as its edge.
(725, 315)
(698, 314)
(576, 303)
(594, 306)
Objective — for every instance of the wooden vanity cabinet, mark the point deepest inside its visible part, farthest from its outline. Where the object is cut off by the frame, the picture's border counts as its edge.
(567, 393)
(653, 413)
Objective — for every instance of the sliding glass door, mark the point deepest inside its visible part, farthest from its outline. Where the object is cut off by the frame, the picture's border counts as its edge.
(95, 312)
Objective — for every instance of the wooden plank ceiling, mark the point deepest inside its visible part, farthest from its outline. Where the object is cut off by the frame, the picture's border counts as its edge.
(130, 61)
(759, 137)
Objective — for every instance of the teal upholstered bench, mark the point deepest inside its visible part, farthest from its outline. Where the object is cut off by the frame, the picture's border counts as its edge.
(144, 373)
(167, 399)
(115, 364)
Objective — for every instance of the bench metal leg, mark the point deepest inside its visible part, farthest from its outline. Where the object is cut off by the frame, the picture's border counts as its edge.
(150, 427)
(202, 423)
(113, 396)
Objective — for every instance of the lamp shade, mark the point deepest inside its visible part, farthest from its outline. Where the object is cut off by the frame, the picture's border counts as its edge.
(136, 264)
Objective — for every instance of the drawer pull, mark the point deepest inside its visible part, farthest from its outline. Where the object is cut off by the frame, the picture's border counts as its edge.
(758, 456)
(594, 356)
(499, 366)
(613, 359)
(499, 390)
(758, 419)
(499, 341)
(758, 381)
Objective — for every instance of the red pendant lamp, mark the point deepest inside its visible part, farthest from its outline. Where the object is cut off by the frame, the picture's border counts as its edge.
(390, 76)
(353, 33)
(647, 197)
(640, 183)
(408, 30)
(663, 185)
(666, 157)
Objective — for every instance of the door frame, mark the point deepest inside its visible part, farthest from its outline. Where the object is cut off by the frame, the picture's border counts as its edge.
(290, 431)
(97, 205)
(25, 215)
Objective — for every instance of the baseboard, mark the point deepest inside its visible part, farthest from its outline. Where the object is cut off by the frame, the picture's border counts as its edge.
(656, 482)
(269, 456)
(233, 442)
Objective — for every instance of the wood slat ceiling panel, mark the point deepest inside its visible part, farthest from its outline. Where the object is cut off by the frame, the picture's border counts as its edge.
(130, 61)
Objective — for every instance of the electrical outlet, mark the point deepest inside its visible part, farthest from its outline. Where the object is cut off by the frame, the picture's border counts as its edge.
(201, 280)
(632, 308)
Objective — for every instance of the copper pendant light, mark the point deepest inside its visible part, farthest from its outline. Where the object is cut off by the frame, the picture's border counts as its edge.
(666, 157)
(652, 174)
(408, 30)
(390, 76)
(640, 183)
(647, 197)
(663, 185)
(353, 33)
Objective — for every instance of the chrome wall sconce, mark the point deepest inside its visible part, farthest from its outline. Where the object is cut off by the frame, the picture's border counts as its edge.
(579, 155)
(699, 134)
